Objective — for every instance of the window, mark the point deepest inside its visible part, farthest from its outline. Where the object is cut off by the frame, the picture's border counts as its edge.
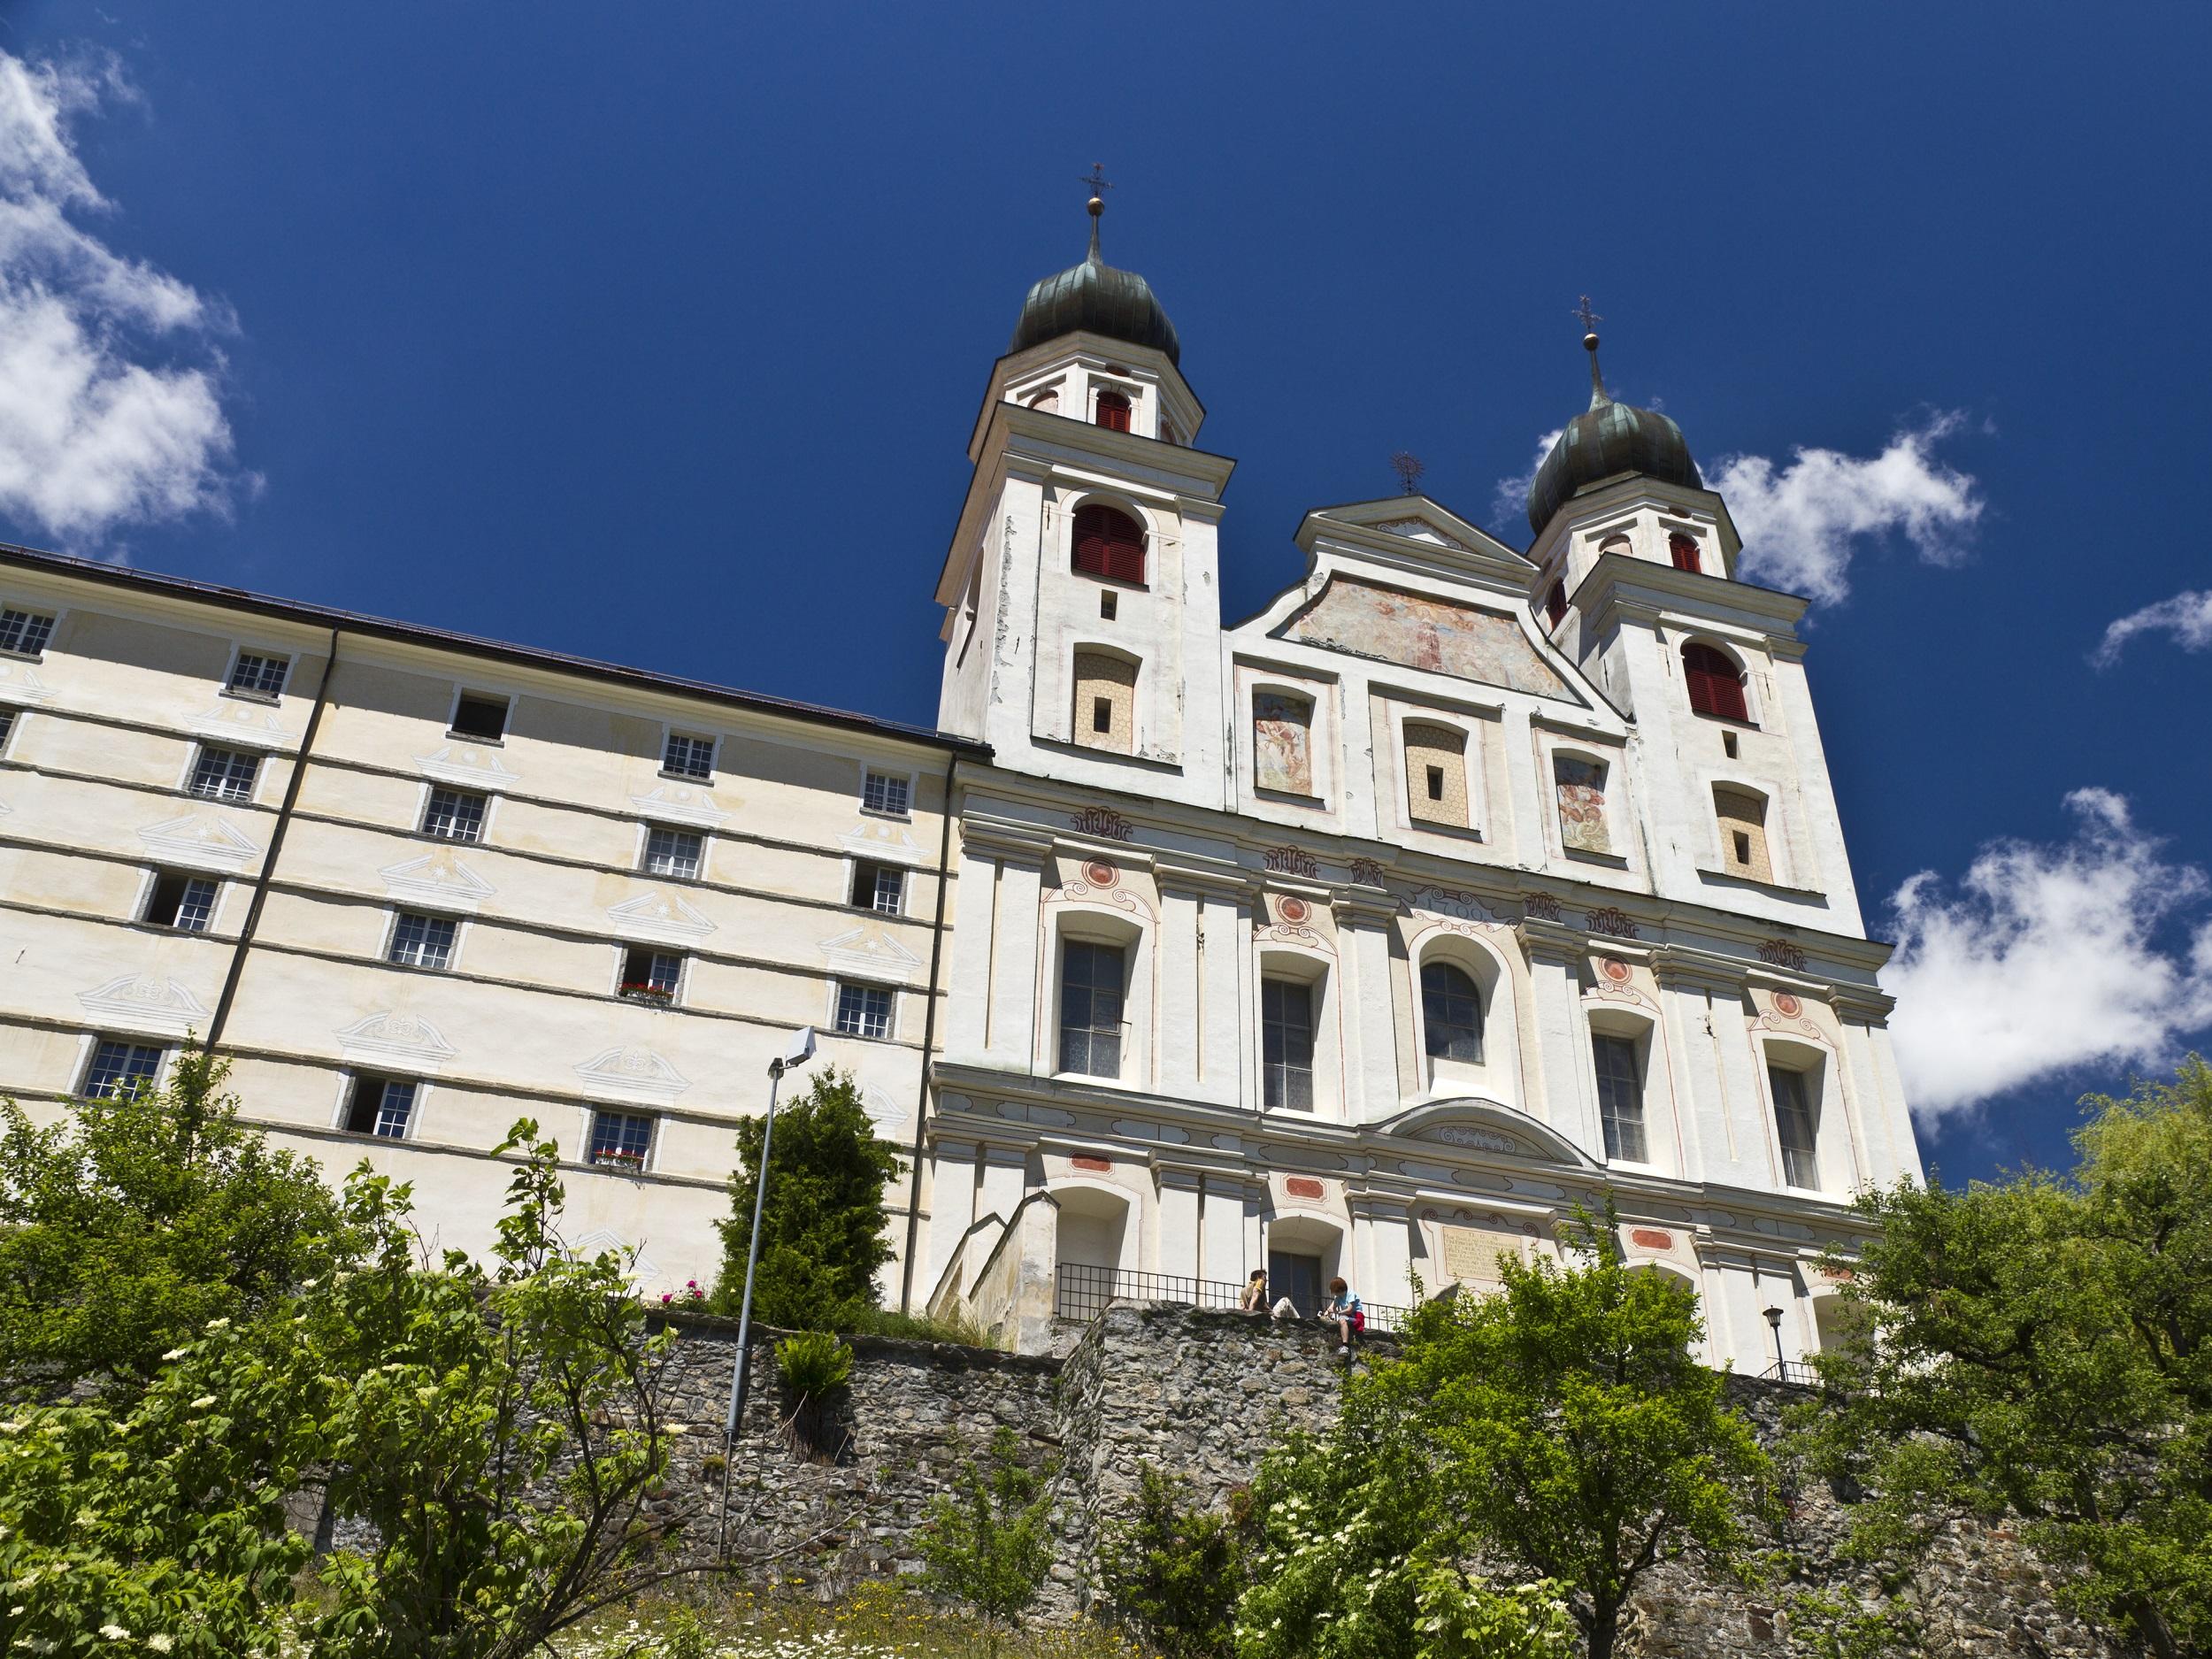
(1045, 403)
(7, 727)
(1579, 783)
(621, 1140)
(1090, 1008)
(1715, 683)
(120, 1067)
(455, 815)
(422, 941)
(1282, 742)
(1110, 543)
(1287, 1044)
(224, 774)
(1451, 1009)
(879, 888)
(888, 792)
(1113, 411)
(863, 1010)
(1795, 1126)
(1683, 550)
(1436, 774)
(1620, 1097)
(1556, 602)
(380, 1106)
(24, 632)
(649, 976)
(1743, 818)
(1108, 603)
(673, 853)
(1105, 702)
(480, 716)
(254, 676)
(688, 757)
(184, 902)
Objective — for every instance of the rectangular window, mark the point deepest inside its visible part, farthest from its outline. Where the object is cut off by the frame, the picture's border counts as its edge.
(1090, 1008)
(184, 902)
(688, 757)
(651, 976)
(863, 1010)
(1436, 774)
(7, 729)
(887, 793)
(120, 1068)
(673, 853)
(1436, 783)
(225, 774)
(879, 888)
(1795, 1126)
(253, 676)
(380, 1106)
(480, 716)
(24, 632)
(1620, 1097)
(1287, 1044)
(423, 941)
(455, 815)
(1743, 833)
(1104, 713)
(620, 1139)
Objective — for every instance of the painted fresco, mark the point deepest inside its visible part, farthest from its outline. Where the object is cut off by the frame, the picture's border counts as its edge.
(1282, 756)
(1462, 640)
(1581, 785)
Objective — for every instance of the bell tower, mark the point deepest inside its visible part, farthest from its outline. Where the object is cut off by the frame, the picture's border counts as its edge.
(1082, 592)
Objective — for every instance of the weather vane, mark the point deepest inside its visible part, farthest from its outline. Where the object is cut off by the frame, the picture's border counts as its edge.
(1409, 468)
(1590, 319)
(1097, 179)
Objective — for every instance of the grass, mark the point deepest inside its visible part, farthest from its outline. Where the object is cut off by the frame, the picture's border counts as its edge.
(877, 1622)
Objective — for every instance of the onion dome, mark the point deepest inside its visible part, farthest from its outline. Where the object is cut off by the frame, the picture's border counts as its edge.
(1609, 441)
(1095, 298)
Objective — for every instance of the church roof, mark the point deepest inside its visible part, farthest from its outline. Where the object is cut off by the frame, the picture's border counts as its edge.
(1608, 441)
(1094, 297)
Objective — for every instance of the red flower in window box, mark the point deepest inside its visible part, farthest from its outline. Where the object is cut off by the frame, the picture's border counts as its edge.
(642, 991)
(628, 1160)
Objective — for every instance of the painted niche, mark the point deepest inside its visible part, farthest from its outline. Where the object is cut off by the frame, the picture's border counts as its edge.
(1581, 788)
(1464, 642)
(1282, 742)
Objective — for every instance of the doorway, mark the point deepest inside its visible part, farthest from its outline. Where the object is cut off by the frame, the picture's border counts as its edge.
(1297, 1276)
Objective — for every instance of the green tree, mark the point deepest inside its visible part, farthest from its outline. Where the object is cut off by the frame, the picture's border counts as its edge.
(986, 1541)
(126, 1227)
(2043, 1345)
(822, 1232)
(1173, 1573)
(1571, 1434)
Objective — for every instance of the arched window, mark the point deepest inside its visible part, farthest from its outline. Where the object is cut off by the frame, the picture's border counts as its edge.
(1683, 550)
(1113, 411)
(1556, 601)
(1451, 1011)
(1110, 543)
(1715, 683)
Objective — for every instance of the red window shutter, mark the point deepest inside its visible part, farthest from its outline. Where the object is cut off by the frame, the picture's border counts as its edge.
(1556, 602)
(1716, 688)
(1113, 411)
(1108, 543)
(1684, 550)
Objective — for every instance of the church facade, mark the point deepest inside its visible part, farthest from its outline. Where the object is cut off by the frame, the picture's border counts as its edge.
(1368, 936)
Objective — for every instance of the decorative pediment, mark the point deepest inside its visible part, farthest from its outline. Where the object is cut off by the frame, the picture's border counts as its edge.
(142, 1002)
(439, 879)
(883, 838)
(883, 1111)
(1452, 901)
(681, 803)
(406, 1038)
(1440, 635)
(471, 764)
(869, 952)
(19, 683)
(1420, 530)
(1478, 1137)
(660, 915)
(1474, 1124)
(638, 1076)
(242, 720)
(201, 840)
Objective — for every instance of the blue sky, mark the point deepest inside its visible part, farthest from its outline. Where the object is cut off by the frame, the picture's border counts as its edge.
(655, 333)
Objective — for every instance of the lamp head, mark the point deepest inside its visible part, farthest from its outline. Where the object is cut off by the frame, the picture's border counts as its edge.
(1774, 1317)
(796, 1053)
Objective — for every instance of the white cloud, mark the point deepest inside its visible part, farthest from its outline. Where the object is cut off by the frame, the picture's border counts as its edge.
(2187, 616)
(108, 406)
(2047, 959)
(1511, 504)
(1802, 524)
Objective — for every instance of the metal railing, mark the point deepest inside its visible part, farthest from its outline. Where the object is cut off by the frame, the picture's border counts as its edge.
(1084, 1292)
(1793, 1370)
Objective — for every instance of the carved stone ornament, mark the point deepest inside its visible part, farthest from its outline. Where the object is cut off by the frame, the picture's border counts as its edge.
(1367, 872)
(1783, 952)
(1103, 822)
(1291, 861)
(1540, 905)
(1477, 1138)
(1612, 919)
(1462, 906)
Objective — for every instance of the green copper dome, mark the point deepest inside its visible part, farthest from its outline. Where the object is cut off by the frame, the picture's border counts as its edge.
(1608, 440)
(1095, 298)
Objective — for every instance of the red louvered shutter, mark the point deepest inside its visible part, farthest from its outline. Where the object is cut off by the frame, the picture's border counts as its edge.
(1683, 551)
(1113, 411)
(1110, 544)
(1556, 601)
(1716, 688)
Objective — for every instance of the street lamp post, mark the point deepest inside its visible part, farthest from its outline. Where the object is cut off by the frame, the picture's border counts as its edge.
(798, 1054)
(1774, 1324)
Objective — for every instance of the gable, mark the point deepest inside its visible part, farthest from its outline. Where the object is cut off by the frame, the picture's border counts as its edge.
(1438, 635)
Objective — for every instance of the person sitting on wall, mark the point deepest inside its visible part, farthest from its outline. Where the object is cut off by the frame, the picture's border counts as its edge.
(1255, 1297)
(1343, 1310)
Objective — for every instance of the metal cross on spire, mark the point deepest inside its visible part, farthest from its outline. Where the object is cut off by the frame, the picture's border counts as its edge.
(1097, 179)
(1590, 319)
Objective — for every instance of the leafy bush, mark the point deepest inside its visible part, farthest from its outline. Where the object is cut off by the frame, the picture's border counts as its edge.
(1173, 1573)
(813, 1365)
(986, 1541)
